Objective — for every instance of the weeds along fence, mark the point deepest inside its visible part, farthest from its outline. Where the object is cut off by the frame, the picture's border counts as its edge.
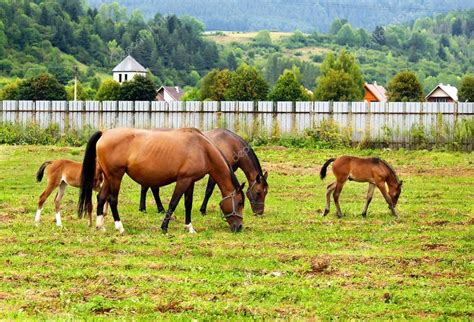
(390, 124)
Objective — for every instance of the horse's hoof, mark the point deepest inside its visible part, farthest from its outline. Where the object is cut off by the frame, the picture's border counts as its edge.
(37, 223)
(203, 212)
(161, 210)
(142, 210)
(325, 213)
(364, 214)
(340, 216)
(100, 228)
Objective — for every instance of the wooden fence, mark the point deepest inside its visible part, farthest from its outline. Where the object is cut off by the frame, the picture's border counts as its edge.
(393, 123)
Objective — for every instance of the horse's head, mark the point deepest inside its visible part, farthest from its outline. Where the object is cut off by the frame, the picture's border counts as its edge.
(232, 208)
(257, 192)
(394, 191)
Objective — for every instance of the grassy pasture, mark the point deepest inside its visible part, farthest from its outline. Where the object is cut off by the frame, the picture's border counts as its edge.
(290, 263)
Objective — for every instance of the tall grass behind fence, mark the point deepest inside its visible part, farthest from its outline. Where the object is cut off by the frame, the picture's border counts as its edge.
(392, 124)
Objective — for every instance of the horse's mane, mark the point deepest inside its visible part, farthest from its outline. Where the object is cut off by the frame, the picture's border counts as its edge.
(251, 153)
(233, 177)
(390, 168)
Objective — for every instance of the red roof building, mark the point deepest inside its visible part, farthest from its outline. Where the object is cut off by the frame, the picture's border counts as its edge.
(374, 93)
(169, 93)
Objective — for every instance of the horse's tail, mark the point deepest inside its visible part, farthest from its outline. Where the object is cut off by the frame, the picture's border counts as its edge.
(323, 171)
(88, 174)
(40, 173)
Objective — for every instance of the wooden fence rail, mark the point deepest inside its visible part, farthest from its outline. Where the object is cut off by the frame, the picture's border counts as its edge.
(393, 123)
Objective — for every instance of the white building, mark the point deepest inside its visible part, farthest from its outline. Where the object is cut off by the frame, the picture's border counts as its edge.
(169, 93)
(128, 69)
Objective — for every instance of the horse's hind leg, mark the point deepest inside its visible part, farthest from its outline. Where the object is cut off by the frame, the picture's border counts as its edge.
(57, 202)
(101, 201)
(188, 205)
(388, 199)
(156, 195)
(329, 191)
(42, 199)
(143, 192)
(370, 193)
(209, 189)
(114, 186)
(337, 193)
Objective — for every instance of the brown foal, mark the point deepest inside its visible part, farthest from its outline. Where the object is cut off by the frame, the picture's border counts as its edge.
(60, 174)
(375, 171)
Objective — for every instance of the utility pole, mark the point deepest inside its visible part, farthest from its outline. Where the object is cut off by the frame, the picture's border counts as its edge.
(75, 83)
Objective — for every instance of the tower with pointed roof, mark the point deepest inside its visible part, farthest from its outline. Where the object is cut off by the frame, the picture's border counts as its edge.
(127, 69)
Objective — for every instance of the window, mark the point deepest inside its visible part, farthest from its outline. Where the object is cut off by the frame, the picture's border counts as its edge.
(126, 77)
(120, 78)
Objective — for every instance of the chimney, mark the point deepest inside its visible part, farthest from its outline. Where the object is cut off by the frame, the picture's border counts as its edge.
(375, 83)
(177, 89)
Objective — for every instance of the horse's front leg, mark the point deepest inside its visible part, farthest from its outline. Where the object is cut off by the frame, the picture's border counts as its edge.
(188, 204)
(209, 189)
(182, 185)
(370, 193)
(387, 197)
(329, 191)
(156, 195)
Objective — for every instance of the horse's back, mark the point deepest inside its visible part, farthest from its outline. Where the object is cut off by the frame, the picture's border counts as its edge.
(153, 157)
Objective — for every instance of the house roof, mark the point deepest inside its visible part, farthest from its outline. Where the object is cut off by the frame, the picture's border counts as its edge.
(377, 90)
(129, 64)
(174, 91)
(449, 90)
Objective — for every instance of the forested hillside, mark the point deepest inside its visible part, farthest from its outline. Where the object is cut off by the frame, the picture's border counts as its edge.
(438, 49)
(54, 36)
(289, 15)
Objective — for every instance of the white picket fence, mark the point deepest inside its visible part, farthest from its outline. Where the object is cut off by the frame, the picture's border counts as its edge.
(360, 120)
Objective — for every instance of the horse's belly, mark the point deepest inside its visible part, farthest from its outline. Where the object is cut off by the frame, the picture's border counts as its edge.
(151, 177)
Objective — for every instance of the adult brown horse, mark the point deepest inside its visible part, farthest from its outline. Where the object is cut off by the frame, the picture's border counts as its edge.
(60, 174)
(239, 154)
(155, 159)
(375, 171)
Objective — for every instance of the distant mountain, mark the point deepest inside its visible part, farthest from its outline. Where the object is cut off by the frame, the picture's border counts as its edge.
(290, 15)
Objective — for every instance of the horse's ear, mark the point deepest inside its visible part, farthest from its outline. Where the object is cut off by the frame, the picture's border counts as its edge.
(265, 175)
(401, 183)
(242, 186)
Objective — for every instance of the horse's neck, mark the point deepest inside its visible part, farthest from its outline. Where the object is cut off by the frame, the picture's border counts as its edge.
(248, 167)
(220, 172)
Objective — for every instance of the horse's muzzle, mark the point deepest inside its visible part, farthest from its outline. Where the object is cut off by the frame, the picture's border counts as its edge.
(236, 228)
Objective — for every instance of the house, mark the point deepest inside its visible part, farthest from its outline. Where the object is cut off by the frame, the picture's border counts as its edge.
(374, 93)
(443, 93)
(128, 69)
(169, 93)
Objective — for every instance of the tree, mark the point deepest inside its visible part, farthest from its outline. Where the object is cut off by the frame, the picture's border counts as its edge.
(288, 88)
(140, 88)
(345, 36)
(336, 85)
(247, 84)
(466, 90)
(109, 90)
(344, 70)
(457, 27)
(337, 25)
(191, 94)
(379, 35)
(42, 87)
(231, 61)
(405, 87)
(10, 91)
(263, 39)
(215, 84)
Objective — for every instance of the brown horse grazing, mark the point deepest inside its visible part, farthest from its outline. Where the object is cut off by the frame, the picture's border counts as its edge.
(375, 171)
(62, 173)
(239, 154)
(155, 159)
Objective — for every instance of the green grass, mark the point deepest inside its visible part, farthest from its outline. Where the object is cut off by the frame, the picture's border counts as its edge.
(290, 263)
